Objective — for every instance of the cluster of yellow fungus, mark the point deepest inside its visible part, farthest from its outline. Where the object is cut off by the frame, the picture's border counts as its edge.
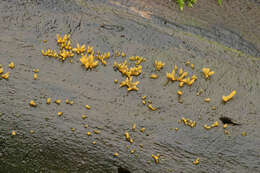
(156, 158)
(89, 61)
(215, 124)
(101, 57)
(142, 130)
(88, 107)
(79, 49)
(58, 101)
(207, 73)
(189, 122)
(158, 65)
(32, 103)
(123, 68)
(150, 106)
(230, 96)
(197, 161)
(5, 76)
(138, 59)
(183, 79)
(131, 85)
(60, 114)
(128, 138)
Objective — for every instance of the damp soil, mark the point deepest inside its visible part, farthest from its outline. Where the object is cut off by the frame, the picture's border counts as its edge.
(156, 31)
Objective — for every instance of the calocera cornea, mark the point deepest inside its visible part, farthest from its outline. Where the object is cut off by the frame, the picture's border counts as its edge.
(153, 76)
(11, 65)
(197, 161)
(228, 97)
(156, 158)
(5, 76)
(32, 103)
(207, 73)
(158, 65)
(150, 106)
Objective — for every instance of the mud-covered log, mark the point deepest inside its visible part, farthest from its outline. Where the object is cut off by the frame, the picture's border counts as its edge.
(46, 142)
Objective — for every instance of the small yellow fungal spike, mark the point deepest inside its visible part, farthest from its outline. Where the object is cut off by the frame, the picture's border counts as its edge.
(13, 133)
(32, 103)
(144, 102)
(144, 97)
(192, 66)
(36, 70)
(89, 133)
(71, 102)
(176, 129)
(48, 101)
(94, 142)
(96, 131)
(207, 99)
(225, 126)
(11, 65)
(60, 114)
(207, 127)
(180, 71)
(83, 117)
(86, 126)
(58, 101)
(153, 76)
(123, 54)
(179, 92)
(142, 130)
(243, 134)
(127, 136)
(207, 73)
(116, 154)
(67, 101)
(88, 107)
(133, 151)
(1, 70)
(5, 76)
(156, 158)
(115, 81)
(197, 161)
(158, 65)
(73, 129)
(150, 106)
(134, 127)
(35, 76)
(181, 84)
(230, 96)
(215, 124)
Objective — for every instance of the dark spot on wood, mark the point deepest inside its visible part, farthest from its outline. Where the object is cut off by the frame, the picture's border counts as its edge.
(227, 120)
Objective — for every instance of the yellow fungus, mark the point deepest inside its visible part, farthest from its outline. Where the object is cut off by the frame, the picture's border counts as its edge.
(188, 122)
(180, 71)
(179, 92)
(149, 101)
(144, 102)
(89, 61)
(215, 124)
(225, 126)
(94, 142)
(73, 129)
(207, 73)
(187, 63)
(142, 130)
(88, 107)
(131, 140)
(197, 161)
(213, 107)
(192, 66)
(90, 50)
(184, 74)
(156, 158)
(44, 41)
(11, 65)
(86, 125)
(141, 146)
(181, 84)
(96, 131)
(243, 134)
(133, 151)
(131, 85)
(207, 127)
(230, 96)
(67, 101)
(89, 133)
(158, 65)
(32, 103)
(35, 76)
(13, 133)
(36, 70)
(153, 76)
(1, 70)
(127, 136)
(83, 117)
(123, 54)
(58, 101)
(171, 76)
(150, 106)
(5, 76)
(116, 81)
(226, 132)
(134, 127)
(60, 113)
(32, 131)
(71, 102)
(116, 154)
(176, 129)
(207, 99)
(48, 101)
(144, 97)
